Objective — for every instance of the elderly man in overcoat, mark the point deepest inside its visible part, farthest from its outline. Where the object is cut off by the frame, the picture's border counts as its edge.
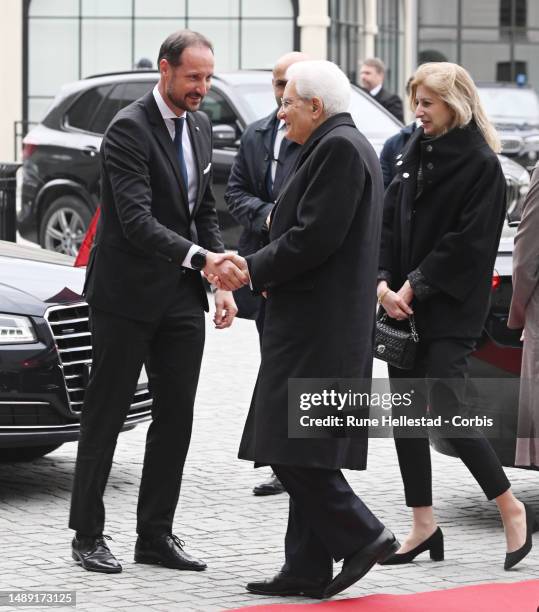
(262, 165)
(319, 274)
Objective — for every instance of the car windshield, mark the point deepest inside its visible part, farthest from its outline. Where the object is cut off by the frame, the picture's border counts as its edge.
(259, 99)
(521, 105)
(368, 117)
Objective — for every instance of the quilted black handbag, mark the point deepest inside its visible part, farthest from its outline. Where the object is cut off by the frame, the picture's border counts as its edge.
(394, 345)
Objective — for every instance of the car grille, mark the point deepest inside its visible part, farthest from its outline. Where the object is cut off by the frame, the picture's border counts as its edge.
(71, 331)
(511, 146)
(25, 414)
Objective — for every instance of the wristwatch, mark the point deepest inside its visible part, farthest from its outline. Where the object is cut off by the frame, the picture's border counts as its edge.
(198, 260)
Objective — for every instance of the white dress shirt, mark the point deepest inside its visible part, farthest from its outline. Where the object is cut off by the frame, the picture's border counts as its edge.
(374, 91)
(276, 148)
(189, 156)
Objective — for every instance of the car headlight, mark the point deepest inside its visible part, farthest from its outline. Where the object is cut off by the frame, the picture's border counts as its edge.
(532, 141)
(524, 182)
(16, 330)
(531, 146)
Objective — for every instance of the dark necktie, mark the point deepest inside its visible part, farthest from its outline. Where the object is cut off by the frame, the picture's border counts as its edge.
(178, 127)
(279, 172)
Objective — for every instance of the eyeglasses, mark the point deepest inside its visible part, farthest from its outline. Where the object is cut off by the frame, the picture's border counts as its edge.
(286, 103)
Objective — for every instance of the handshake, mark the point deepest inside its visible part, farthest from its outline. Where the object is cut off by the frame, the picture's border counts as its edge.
(226, 270)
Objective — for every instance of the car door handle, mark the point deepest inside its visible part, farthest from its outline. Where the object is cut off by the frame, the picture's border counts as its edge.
(90, 150)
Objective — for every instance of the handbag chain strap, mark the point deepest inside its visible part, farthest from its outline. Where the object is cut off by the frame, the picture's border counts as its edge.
(415, 335)
(411, 322)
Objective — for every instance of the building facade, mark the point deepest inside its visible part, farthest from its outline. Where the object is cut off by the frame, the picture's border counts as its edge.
(51, 42)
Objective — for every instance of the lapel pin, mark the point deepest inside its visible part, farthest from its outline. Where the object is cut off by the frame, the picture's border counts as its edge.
(197, 128)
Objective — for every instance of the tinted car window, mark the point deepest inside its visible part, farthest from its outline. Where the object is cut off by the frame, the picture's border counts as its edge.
(218, 109)
(510, 104)
(123, 94)
(81, 114)
(134, 91)
(109, 107)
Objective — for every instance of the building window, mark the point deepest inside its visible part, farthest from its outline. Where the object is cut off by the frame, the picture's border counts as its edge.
(71, 39)
(390, 40)
(346, 29)
(493, 40)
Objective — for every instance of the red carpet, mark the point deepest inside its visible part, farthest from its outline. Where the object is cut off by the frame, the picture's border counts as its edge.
(512, 597)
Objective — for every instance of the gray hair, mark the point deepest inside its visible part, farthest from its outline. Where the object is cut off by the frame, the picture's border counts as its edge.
(324, 80)
(376, 63)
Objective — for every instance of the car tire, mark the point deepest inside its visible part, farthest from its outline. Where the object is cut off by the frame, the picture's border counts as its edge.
(64, 224)
(26, 453)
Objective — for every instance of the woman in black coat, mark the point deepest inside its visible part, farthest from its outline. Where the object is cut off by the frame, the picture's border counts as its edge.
(443, 215)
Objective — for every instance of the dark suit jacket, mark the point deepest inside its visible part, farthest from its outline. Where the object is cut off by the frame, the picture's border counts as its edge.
(392, 147)
(450, 232)
(390, 102)
(320, 271)
(247, 195)
(145, 229)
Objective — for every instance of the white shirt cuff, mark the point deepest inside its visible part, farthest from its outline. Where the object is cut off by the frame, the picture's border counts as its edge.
(186, 263)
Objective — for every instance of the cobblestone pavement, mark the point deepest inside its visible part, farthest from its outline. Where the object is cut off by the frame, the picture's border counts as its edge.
(239, 535)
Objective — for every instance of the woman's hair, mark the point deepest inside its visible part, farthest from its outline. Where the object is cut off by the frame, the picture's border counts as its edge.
(456, 88)
(324, 80)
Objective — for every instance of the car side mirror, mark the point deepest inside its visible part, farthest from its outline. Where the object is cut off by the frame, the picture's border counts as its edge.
(223, 136)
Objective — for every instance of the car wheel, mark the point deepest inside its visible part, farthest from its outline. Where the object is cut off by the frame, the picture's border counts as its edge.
(26, 453)
(64, 225)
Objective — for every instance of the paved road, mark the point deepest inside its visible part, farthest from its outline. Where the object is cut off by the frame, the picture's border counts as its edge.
(240, 536)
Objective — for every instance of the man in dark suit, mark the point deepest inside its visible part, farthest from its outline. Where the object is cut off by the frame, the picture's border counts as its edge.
(371, 79)
(147, 300)
(263, 163)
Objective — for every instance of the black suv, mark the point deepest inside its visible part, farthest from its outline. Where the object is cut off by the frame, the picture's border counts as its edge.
(45, 353)
(60, 189)
(514, 110)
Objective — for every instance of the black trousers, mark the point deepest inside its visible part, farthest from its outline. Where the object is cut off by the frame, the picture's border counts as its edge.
(438, 360)
(326, 521)
(260, 319)
(172, 349)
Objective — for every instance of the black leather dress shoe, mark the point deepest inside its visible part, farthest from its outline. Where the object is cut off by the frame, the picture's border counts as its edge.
(166, 550)
(358, 564)
(94, 555)
(273, 486)
(282, 585)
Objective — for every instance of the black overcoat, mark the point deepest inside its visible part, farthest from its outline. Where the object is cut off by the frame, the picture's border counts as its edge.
(450, 232)
(320, 272)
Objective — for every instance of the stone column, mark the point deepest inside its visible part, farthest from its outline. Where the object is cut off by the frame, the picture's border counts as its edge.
(10, 75)
(313, 21)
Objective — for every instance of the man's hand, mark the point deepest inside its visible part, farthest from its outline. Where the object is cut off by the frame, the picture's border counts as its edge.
(225, 309)
(396, 304)
(226, 271)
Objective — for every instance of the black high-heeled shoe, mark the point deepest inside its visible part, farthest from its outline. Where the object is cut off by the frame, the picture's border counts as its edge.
(434, 544)
(532, 525)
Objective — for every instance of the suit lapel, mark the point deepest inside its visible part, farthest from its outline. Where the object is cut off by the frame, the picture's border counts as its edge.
(162, 136)
(266, 135)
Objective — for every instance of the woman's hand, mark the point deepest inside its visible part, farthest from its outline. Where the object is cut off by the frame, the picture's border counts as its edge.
(396, 304)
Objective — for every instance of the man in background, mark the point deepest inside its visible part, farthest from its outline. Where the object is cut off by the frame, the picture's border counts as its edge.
(371, 79)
